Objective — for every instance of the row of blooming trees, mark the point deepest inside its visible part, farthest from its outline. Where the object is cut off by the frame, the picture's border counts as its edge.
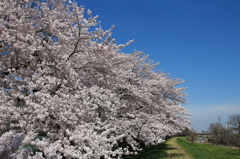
(67, 88)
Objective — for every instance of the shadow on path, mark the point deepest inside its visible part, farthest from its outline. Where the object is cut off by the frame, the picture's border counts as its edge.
(166, 150)
(151, 152)
(157, 152)
(174, 155)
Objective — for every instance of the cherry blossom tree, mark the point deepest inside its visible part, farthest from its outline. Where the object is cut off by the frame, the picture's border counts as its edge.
(70, 90)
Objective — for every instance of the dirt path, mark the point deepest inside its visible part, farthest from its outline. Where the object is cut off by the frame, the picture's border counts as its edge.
(174, 151)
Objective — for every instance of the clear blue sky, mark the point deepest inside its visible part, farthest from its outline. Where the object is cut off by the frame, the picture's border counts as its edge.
(194, 40)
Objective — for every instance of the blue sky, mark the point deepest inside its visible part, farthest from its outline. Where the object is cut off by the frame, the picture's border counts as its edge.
(194, 40)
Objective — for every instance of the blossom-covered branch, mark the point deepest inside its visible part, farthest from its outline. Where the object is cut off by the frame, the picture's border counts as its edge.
(72, 92)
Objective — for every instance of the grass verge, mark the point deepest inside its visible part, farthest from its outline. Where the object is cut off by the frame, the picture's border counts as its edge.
(205, 151)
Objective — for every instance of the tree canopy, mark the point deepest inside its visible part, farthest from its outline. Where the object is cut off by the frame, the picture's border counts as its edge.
(67, 86)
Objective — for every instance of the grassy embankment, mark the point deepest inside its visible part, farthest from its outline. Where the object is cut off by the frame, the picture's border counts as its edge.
(206, 151)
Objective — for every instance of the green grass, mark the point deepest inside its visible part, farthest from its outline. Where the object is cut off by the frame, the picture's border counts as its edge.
(151, 152)
(205, 151)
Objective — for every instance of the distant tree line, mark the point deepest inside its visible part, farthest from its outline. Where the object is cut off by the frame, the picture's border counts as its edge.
(228, 135)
